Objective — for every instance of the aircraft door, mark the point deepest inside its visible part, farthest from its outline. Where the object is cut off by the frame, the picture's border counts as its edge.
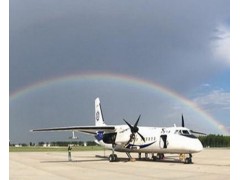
(163, 141)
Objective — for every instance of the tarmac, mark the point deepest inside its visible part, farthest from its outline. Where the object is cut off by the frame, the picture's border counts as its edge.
(210, 164)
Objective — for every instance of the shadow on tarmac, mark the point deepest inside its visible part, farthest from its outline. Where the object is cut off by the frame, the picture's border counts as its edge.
(105, 158)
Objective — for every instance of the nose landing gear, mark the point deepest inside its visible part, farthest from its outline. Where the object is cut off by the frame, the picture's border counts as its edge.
(189, 159)
(186, 160)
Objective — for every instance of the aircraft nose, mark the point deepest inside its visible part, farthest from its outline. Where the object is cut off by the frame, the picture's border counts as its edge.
(198, 146)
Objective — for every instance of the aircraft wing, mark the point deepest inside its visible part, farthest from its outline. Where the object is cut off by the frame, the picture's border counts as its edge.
(83, 129)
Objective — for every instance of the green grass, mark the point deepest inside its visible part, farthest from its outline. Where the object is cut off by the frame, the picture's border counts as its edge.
(53, 149)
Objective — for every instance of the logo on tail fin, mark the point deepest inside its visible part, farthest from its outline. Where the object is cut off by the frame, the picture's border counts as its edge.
(99, 121)
(99, 135)
(97, 116)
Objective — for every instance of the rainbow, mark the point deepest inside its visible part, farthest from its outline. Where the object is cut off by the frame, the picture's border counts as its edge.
(125, 79)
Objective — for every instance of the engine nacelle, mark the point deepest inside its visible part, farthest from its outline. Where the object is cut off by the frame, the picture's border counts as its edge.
(109, 138)
(116, 138)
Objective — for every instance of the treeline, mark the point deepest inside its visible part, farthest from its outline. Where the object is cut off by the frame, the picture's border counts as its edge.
(66, 143)
(58, 143)
(215, 140)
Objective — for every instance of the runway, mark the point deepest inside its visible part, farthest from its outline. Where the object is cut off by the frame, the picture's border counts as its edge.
(210, 164)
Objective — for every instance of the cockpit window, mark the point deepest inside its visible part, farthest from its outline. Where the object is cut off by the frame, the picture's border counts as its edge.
(185, 132)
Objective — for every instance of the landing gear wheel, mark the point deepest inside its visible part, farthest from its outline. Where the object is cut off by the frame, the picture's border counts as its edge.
(188, 161)
(115, 157)
(112, 158)
(154, 158)
(160, 156)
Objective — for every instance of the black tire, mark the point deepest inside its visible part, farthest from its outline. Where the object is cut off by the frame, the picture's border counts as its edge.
(160, 156)
(111, 158)
(190, 160)
(187, 161)
(154, 158)
(115, 157)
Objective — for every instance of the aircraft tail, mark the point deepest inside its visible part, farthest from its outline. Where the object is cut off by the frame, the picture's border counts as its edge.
(99, 120)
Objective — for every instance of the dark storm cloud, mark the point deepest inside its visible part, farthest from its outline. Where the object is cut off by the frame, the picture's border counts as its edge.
(158, 40)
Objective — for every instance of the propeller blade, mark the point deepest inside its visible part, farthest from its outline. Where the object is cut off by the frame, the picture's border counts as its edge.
(131, 127)
(135, 125)
(141, 136)
(135, 128)
(183, 122)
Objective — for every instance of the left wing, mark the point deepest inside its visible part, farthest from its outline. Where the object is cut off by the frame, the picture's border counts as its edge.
(83, 129)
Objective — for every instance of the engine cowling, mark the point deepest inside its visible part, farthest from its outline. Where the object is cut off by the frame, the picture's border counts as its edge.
(116, 138)
(109, 138)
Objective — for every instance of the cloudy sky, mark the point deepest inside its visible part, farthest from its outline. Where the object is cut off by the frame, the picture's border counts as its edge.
(180, 46)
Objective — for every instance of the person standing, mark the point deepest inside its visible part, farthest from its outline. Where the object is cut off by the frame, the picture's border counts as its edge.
(69, 153)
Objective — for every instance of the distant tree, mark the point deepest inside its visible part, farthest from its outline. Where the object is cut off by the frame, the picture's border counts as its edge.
(41, 143)
(66, 143)
(91, 143)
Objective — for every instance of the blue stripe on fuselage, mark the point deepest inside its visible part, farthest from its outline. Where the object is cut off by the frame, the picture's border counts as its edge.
(140, 146)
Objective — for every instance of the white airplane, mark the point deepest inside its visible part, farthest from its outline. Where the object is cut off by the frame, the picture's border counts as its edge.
(137, 139)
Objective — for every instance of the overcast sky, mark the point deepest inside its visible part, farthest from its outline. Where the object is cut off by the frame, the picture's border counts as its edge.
(180, 45)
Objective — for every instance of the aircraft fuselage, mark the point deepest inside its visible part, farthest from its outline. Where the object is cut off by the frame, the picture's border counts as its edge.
(177, 140)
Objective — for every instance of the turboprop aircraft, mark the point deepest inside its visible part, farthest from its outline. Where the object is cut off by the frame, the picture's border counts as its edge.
(139, 139)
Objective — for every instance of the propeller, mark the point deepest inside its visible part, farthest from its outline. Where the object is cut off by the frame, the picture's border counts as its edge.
(191, 130)
(134, 129)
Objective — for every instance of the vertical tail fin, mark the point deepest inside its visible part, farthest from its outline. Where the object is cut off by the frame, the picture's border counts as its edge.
(99, 121)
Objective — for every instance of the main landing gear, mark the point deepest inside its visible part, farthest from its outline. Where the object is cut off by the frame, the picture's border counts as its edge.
(113, 157)
(160, 156)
